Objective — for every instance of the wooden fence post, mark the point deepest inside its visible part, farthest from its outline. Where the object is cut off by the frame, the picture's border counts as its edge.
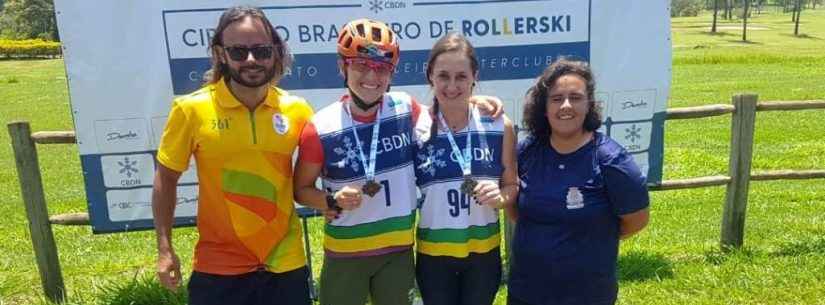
(31, 188)
(739, 170)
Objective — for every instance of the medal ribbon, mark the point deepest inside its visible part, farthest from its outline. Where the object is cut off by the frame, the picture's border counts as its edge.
(464, 161)
(369, 167)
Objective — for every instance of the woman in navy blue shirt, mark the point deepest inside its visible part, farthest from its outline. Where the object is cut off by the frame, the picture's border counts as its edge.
(581, 193)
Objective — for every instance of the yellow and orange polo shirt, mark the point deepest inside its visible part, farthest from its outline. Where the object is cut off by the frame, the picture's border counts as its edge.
(246, 216)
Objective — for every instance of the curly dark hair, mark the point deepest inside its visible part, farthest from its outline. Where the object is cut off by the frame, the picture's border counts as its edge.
(535, 106)
(283, 58)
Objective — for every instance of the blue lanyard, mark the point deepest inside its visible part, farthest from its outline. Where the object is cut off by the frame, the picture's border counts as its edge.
(369, 167)
(465, 161)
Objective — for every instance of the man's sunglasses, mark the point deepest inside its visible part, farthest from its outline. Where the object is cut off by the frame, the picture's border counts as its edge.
(242, 53)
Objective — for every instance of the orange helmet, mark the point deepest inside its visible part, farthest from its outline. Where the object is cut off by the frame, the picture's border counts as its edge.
(369, 39)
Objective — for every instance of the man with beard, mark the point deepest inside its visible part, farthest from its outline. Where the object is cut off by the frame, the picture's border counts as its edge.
(242, 131)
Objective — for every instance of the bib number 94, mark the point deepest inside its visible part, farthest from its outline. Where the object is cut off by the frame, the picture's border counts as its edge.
(458, 201)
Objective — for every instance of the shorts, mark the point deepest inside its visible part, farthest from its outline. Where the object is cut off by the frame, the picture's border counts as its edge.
(254, 288)
(387, 279)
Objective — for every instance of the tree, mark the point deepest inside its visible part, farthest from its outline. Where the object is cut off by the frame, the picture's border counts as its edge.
(787, 5)
(745, 20)
(715, 12)
(793, 10)
(726, 10)
(24, 19)
(683, 8)
(798, 12)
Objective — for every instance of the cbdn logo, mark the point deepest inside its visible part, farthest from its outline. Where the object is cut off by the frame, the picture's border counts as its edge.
(379, 5)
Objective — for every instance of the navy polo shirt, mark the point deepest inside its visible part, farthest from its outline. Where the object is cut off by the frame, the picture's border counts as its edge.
(567, 236)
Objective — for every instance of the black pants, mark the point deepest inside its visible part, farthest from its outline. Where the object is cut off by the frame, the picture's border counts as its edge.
(445, 280)
(254, 288)
(514, 301)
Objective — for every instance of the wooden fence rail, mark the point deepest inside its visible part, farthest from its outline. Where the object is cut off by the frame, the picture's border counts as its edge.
(698, 112)
(743, 110)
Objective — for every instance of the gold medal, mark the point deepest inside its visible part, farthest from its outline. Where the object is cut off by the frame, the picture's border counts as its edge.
(468, 186)
(371, 188)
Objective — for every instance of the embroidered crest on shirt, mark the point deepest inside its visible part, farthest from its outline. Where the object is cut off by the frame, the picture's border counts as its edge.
(349, 154)
(575, 199)
(280, 123)
(431, 160)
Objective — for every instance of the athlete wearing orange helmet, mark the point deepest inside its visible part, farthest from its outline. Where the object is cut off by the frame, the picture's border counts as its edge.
(370, 179)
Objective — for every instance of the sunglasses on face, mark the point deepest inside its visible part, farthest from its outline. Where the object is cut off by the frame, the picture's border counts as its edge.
(363, 65)
(242, 53)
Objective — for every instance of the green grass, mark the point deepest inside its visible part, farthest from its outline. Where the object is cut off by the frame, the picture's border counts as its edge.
(674, 261)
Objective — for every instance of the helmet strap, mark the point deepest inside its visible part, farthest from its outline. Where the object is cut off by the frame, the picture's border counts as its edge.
(360, 103)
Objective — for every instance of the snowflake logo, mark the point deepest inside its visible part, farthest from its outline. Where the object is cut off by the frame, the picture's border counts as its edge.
(431, 160)
(376, 6)
(127, 167)
(633, 133)
(349, 154)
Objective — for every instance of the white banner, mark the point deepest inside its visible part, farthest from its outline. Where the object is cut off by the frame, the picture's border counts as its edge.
(126, 60)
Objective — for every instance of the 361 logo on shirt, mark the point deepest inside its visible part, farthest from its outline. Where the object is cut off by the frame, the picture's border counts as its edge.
(220, 124)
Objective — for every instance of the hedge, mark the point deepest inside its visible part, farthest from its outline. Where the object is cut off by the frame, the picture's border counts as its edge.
(29, 48)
